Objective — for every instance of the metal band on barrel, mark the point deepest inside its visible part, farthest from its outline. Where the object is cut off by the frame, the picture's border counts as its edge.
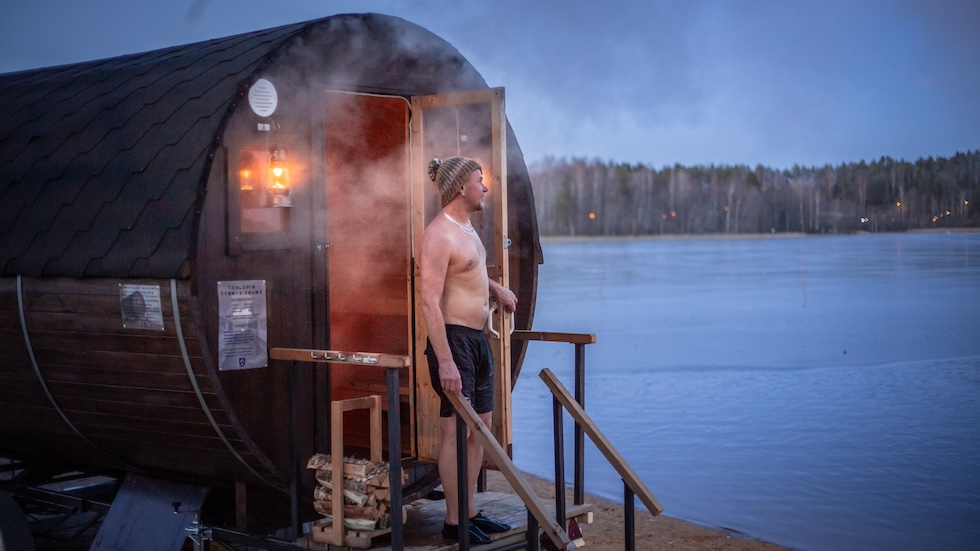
(44, 385)
(197, 389)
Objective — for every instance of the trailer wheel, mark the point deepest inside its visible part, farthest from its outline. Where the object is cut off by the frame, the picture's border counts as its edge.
(15, 532)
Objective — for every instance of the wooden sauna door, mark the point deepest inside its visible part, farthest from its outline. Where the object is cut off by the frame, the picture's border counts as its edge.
(368, 246)
(472, 124)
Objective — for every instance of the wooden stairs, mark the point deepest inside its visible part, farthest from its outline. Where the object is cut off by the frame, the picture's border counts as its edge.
(423, 531)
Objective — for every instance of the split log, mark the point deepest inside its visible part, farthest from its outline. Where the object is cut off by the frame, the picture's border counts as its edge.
(355, 497)
(350, 511)
(352, 466)
(325, 478)
(360, 524)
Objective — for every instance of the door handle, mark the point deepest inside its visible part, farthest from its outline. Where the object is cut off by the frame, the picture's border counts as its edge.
(494, 332)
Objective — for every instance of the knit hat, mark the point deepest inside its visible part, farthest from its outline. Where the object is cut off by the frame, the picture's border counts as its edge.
(450, 175)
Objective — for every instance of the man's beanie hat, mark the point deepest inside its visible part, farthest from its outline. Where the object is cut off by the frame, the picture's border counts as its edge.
(450, 175)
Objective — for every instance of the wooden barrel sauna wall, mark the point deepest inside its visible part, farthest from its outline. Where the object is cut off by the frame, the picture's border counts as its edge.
(125, 174)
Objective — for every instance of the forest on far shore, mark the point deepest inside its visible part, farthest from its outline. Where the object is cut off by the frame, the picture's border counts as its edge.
(578, 197)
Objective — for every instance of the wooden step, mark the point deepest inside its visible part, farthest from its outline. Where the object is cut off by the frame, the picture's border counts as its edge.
(423, 530)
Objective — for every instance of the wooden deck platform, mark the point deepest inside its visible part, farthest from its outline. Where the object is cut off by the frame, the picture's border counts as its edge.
(423, 531)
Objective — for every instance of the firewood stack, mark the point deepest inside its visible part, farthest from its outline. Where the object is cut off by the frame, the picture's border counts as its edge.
(365, 492)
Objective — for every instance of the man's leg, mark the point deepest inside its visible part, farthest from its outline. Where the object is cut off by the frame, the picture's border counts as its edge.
(448, 472)
(475, 451)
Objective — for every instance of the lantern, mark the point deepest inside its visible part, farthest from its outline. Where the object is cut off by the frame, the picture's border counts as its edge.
(279, 185)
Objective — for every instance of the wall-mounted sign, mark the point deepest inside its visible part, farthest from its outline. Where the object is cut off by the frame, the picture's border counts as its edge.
(140, 306)
(262, 98)
(242, 325)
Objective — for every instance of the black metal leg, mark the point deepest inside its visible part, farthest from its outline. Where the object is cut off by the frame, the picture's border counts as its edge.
(629, 517)
(579, 482)
(481, 481)
(295, 486)
(533, 541)
(395, 460)
(559, 463)
(462, 467)
(328, 396)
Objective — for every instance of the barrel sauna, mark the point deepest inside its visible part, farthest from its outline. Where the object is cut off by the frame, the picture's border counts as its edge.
(141, 199)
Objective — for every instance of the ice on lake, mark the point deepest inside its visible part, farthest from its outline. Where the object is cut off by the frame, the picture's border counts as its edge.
(818, 392)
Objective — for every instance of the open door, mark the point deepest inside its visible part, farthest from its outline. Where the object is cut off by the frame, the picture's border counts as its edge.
(471, 124)
(368, 238)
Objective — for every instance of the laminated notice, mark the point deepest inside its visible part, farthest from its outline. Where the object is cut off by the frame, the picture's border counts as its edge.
(140, 306)
(242, 325)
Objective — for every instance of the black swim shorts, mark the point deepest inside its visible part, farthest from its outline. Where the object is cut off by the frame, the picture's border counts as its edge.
(471, 352)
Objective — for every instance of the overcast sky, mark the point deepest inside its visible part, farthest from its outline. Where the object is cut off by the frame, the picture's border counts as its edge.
(776, 83)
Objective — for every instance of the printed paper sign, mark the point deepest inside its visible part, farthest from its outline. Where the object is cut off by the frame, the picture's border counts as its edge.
(140, 306)
(242, 325)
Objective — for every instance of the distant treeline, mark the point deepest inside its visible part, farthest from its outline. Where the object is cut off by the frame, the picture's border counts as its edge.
(580, 197)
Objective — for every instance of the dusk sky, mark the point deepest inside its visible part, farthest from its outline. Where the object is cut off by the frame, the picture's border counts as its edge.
(775, 83)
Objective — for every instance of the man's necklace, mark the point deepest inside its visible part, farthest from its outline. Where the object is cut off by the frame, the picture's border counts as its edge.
(468, 230)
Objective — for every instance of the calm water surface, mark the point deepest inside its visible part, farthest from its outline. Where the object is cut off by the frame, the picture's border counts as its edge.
(818, 392)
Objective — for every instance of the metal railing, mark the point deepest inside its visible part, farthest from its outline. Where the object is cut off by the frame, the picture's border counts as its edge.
(562, 399)
(466, 417)
(536, 517)
(579, 340)
(632, 485)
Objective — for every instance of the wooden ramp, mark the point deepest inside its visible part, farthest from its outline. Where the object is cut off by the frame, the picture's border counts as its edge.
(142, 516)
(423, 531)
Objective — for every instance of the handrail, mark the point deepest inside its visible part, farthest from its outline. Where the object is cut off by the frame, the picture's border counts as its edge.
(503, 462)
(551, 336)
(392, 363)
(599, 439)
(340, 357)
(580, 340)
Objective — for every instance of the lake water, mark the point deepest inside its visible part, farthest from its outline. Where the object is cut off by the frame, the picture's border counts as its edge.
(818, 392)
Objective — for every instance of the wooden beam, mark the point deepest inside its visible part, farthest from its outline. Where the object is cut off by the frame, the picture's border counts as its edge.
(340, 357)
(458, 98)
(601, 442)
(547, 336)
(510, 472)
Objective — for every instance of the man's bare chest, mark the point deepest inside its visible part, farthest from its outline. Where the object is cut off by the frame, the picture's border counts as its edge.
(468, 256)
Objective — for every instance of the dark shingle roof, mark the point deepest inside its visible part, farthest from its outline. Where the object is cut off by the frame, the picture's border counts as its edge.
(103, 163)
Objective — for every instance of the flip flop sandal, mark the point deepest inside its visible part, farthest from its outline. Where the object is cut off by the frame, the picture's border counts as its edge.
(489, 525)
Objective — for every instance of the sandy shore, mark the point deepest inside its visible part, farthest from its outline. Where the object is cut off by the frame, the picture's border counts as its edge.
(606, 533)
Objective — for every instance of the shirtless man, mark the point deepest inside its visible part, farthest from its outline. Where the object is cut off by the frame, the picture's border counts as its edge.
(455, 303)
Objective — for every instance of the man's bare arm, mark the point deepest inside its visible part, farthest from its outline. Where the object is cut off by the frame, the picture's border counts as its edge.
(505, 297)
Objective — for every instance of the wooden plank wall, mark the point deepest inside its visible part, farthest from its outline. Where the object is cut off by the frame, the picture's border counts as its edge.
(126, 390)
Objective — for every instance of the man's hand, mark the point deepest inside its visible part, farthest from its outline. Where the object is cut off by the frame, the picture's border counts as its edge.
(449, 377)
(506, 298)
